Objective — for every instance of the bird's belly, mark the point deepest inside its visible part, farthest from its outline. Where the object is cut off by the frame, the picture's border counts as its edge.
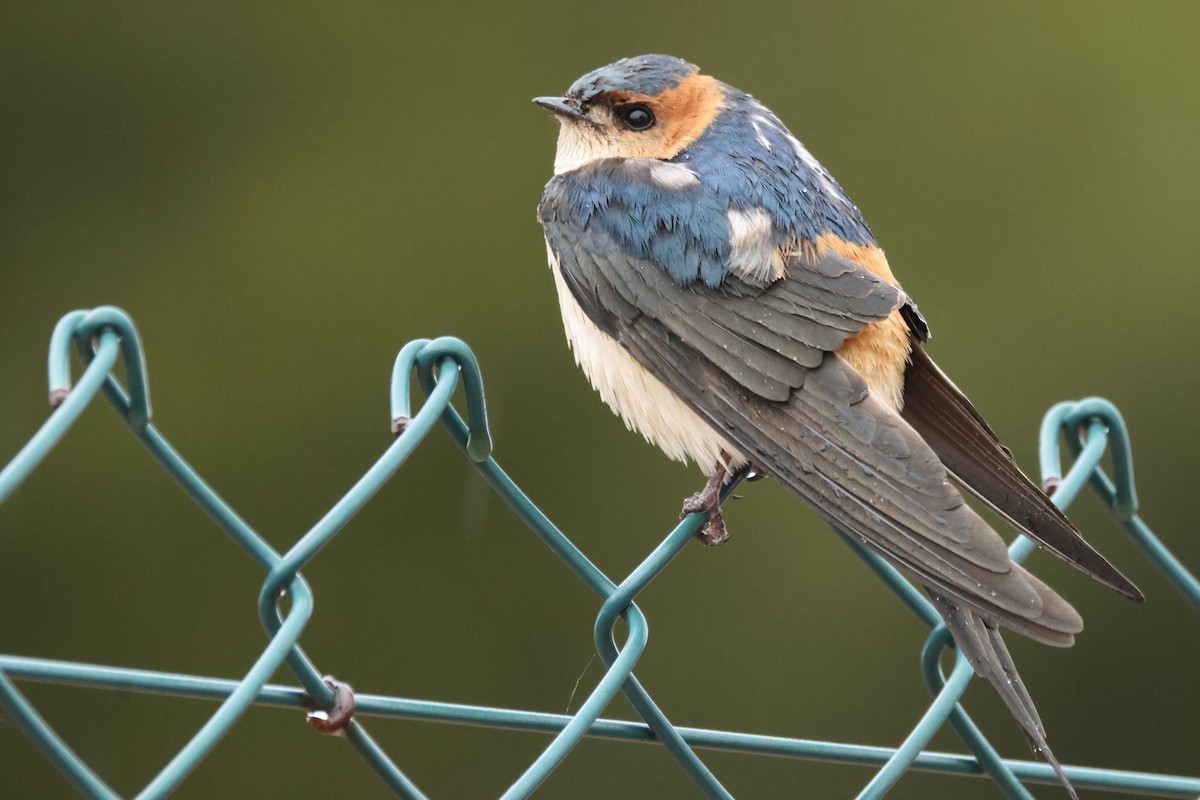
(641, 400)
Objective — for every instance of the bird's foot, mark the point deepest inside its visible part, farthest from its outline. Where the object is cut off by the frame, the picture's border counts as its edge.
(708, 500)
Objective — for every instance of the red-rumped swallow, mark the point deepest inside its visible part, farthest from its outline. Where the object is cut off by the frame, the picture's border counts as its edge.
(728, 301)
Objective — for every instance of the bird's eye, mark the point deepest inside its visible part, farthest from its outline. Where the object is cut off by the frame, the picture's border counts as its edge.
(636, 117)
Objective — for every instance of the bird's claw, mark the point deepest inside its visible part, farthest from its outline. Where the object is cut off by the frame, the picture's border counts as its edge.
(708, 500)
(714, 532)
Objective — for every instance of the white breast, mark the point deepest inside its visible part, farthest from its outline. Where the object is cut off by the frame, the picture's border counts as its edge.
(642, 401)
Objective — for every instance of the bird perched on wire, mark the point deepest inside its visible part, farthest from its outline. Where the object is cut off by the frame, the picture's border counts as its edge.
(726, 298)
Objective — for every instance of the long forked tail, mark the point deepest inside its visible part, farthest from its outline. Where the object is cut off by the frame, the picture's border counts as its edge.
(987, 653)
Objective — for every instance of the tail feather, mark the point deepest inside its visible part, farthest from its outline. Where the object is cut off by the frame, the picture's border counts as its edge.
(985, 650)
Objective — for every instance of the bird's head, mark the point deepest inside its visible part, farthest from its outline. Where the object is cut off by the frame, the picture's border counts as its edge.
(649, 106)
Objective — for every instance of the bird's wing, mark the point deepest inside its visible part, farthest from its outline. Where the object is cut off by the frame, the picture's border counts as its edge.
(758, 363)
(966, 444)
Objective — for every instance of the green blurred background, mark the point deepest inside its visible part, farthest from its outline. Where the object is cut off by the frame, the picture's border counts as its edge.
(284, 194)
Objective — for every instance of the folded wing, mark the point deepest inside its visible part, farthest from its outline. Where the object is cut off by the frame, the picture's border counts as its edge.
(758, 363)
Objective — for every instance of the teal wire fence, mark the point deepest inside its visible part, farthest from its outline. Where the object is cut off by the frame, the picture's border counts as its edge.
(104, 335)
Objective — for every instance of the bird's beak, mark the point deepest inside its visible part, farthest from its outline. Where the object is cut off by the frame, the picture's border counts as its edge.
(563, 107)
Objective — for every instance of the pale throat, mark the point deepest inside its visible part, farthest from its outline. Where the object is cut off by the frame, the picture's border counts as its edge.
(578, 145)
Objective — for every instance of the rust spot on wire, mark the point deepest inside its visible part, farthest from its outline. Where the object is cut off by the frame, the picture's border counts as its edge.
(337, 718)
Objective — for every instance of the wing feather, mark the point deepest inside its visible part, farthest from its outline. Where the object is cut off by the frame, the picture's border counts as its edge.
(969, 448)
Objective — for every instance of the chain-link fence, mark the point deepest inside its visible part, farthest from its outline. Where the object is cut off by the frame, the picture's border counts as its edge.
(105, 335)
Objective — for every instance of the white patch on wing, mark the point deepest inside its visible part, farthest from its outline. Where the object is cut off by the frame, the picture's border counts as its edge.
(670, 175)
(752, 253)
(641, 400)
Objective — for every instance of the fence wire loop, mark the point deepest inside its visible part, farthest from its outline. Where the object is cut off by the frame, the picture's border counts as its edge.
(1089, 427)
(83, 327)
(106, 335)
(1079, 423)
(429, 358)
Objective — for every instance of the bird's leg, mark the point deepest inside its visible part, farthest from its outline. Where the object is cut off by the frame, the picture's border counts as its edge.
(708, 500)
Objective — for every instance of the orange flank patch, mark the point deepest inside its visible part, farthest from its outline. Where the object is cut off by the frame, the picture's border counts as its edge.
(880, 352)
(868, 256)
(683, 113)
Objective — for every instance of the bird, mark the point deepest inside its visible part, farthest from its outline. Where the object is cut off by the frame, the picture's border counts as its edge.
(728, 301)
